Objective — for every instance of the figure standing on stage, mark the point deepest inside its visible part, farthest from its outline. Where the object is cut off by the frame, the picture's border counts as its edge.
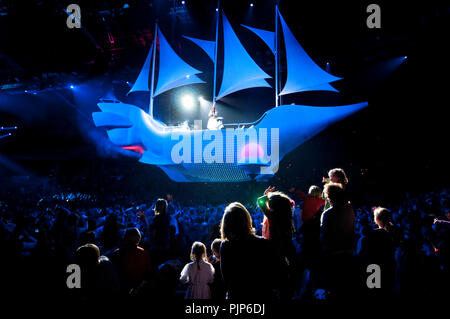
(214, 122)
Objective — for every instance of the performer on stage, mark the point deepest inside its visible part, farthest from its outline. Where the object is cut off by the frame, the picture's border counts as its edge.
(214, 122)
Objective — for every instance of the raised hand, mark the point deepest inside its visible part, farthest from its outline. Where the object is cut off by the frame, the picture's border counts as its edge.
(269, 189)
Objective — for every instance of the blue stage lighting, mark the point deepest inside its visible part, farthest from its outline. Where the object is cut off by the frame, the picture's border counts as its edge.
(187, 101)
(183, 2)
(72, 86)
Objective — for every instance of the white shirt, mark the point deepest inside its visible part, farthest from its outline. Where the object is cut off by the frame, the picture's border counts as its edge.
(214, 122)
(198, 279)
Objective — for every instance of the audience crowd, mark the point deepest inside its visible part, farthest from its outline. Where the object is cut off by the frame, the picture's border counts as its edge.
(286, 245)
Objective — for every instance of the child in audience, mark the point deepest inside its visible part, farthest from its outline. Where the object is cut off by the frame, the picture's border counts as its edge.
(335, 175)
(311, 202)
(198, 274)
(218, 290)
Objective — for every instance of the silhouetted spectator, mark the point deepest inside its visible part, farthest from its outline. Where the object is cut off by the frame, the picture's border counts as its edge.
(278, 208)
(335, 175)
(160, 233)
(99, 279)
(110, 236)
(338, 222)
(132, 262)
(251, 267)
(218, 290)
(379, 248)
(337, 237)
(87, 237)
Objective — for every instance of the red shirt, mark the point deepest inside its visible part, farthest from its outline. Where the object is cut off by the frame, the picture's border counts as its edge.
(134, 264)
(311, 205)
(265, 228)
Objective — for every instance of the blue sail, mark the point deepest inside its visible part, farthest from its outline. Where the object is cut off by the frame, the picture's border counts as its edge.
(205, 45)
(303, 74)
(239, 70)
(141, 83)
(267, 36)
(173, 71)
(322, 87)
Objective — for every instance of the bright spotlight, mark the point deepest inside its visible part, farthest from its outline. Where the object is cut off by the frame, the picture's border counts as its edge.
(251, 4)
(72, 86)
(187, 101)
(183, 2)
(203, 102)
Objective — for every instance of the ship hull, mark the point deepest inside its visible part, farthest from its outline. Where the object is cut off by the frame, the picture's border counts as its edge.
(228, 155)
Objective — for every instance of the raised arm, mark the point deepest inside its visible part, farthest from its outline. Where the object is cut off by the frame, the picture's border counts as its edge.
(263, 202)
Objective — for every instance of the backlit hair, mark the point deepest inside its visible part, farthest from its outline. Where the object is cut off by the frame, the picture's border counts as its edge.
(340, 174)
(383, 216)
(334, 192)
(280, 220)
(215, 246)
(315, 191)
(236, 222)
(160, 206)
(198, 251)
(88, 255)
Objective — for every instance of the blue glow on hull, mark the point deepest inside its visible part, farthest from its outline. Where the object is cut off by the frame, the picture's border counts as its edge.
(127, 124)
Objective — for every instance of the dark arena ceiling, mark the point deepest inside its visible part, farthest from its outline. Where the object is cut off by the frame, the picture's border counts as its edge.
(38, 50)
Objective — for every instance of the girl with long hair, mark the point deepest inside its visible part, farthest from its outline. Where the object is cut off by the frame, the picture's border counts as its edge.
(198, 273)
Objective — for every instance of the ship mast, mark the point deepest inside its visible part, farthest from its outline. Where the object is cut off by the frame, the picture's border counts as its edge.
(155, 45)
(276, 53)
(215, 53)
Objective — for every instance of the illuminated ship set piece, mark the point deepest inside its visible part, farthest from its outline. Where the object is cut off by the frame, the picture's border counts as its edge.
(212, 155)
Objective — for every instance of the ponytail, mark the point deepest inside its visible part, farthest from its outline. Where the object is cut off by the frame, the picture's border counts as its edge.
(389, 227)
